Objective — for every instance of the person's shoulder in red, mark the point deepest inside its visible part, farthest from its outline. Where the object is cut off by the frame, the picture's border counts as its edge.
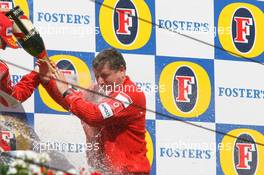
(5, 78)
(3, 69)
(23, 89)
(135, 93)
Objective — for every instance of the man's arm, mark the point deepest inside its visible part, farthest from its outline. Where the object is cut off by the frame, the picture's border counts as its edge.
(46, 73)
(89, 112)
(96, 114)
(23, 89)
(75, 102)
(26, 86)
(54, 93)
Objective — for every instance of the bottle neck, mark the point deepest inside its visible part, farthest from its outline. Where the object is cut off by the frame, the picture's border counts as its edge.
(43, 55)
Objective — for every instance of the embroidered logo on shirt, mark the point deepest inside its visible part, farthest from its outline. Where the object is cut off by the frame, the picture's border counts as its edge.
(106, 110)
(124, 99)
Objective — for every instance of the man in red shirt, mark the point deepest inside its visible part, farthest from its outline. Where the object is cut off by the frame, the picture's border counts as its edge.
(25, 87)
(119, 118)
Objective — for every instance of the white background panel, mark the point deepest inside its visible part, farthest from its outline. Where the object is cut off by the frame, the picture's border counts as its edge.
(66, 36)
(238, 110)
(172, 44)
(21, 64)
(64, 129)
(179, 136)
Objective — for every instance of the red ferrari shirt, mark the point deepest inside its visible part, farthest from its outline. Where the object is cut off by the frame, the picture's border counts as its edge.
(22, 90)
(123, 126)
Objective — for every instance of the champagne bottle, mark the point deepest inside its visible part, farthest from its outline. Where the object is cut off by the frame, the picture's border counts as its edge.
(30, 39)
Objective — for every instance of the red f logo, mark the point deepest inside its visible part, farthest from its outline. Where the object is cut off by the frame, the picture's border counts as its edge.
(244, 155)
(184, 88)
(124, 20)
(242, 29)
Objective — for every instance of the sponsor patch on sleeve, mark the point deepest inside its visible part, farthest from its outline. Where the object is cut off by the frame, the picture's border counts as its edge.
(114, 106)
(106, 110)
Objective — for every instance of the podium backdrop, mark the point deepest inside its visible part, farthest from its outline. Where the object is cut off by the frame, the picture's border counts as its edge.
(196, 88)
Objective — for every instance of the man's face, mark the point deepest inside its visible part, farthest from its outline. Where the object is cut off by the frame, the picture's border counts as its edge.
(107, 78)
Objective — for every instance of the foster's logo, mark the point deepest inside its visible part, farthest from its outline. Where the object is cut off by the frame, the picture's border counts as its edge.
(185, 89)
